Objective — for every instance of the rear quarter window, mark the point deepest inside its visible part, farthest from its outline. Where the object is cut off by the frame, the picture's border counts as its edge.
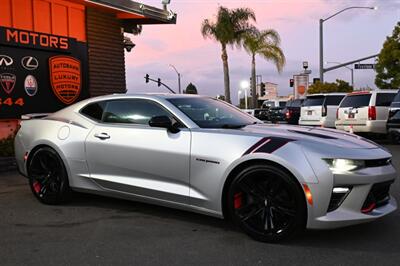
(396, 101)
(384, 99)
(94, 110)
(357, 100)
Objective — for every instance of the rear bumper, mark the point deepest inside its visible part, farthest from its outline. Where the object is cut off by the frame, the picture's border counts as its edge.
(323, 122)
(374, 126)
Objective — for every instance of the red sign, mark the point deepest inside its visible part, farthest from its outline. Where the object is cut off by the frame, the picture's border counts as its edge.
(65, 78)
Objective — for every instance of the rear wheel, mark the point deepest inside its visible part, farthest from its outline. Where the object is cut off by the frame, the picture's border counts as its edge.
(267, 203)
(48, 177)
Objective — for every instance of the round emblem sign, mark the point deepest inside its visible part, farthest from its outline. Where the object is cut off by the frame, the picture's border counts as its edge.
(31, 86)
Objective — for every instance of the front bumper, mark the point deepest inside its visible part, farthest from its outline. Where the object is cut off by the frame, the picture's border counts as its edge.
(350, 210)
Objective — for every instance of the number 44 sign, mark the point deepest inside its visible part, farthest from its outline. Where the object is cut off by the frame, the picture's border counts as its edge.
(11, 102)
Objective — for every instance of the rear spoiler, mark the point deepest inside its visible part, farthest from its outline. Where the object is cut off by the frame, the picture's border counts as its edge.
(34, 116)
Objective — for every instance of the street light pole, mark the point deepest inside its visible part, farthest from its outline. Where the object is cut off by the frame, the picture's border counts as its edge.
(321, 37)
(179, 78)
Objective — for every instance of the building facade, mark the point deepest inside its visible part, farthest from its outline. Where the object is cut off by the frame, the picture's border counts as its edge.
(54, 53)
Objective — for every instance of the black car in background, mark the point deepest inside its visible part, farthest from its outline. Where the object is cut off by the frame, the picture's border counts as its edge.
(393, 124)
(276, 114)
(292, 111)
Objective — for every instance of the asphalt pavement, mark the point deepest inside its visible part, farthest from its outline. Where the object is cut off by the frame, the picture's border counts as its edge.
(94, 230)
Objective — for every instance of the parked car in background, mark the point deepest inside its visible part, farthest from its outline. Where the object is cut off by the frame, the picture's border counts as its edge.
(393, 124)
(273, 103)
(276, 114)
(320, 109)
(366, 111)
(292, 111)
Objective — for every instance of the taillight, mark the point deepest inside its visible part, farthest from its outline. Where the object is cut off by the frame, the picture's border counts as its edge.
(288, 114)
(371, 113)
(323, 110)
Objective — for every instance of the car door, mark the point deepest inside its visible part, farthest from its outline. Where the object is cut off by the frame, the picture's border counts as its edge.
(125, 154)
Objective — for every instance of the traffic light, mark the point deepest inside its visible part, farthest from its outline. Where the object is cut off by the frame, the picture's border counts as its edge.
(159, 82)
(262, 89)
(291, 83)
(147, 77)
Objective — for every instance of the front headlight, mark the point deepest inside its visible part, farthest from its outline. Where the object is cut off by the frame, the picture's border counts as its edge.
(344, 165)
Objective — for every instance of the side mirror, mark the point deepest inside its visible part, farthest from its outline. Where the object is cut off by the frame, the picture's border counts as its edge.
(163, 122)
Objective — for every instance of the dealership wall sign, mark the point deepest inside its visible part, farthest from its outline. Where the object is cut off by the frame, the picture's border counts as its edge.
(40, 73)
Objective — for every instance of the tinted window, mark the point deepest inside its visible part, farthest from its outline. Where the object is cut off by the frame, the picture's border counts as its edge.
(334, 100)
(297, 103)
(211, 113)
(384, 99)
(94, 110)
(396, 101)
(135, 111)
(314, 101)
(269, 104)
(282, 104)
(359, 100)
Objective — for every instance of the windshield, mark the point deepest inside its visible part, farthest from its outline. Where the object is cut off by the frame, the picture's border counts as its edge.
(356, 101)
(212, 113)
(314, 101)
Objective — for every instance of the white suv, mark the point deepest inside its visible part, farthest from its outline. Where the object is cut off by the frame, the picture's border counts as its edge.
(365, 111)
(320, 109)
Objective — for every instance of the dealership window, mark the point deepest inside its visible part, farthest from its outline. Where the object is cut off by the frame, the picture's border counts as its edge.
(135, 111)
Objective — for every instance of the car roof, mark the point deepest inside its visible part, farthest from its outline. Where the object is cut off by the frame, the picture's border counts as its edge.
(371, 92)
(328, 94)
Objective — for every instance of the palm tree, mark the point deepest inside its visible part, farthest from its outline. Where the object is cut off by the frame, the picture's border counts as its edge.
(228, 29)
(265, 43)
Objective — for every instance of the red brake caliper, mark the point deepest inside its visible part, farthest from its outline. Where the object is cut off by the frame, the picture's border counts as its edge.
(37, 186)
(237, 200)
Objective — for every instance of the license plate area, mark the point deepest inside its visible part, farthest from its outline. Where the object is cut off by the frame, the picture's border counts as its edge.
(309, 112)
(351, 115)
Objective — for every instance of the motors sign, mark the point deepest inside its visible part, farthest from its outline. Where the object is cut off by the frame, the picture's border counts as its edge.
(364, 66)
(40, 73)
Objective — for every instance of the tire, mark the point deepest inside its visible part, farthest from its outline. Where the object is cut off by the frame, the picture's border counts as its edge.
(267, 203)
(48, 178)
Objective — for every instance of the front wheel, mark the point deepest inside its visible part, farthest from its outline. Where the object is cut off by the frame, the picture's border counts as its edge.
(267, 203)
(48, 178)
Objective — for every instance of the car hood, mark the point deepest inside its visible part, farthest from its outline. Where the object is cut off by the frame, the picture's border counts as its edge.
(319, 135)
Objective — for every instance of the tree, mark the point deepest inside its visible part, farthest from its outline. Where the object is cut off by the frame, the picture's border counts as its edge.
(388, 64)
(228, 29)
(191, 89)
(326, 87)
(266, 44)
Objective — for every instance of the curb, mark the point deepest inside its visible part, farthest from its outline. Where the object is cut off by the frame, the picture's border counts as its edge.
(7, 164)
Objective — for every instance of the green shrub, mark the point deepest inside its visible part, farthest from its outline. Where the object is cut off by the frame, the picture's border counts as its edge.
(7, 147)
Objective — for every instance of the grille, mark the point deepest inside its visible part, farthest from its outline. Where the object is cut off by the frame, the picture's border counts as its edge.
(377, 197)
(378, 162)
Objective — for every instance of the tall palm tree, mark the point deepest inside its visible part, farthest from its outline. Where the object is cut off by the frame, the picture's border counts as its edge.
(228, 29)
(266, 44)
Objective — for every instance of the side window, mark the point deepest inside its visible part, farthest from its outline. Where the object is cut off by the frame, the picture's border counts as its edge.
(135, 111)
(384, 99)
(94, 110)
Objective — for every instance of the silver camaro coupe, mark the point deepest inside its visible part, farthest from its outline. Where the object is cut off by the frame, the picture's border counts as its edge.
(204, 155)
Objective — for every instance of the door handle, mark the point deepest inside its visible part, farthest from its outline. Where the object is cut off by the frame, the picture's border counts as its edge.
(102, 136)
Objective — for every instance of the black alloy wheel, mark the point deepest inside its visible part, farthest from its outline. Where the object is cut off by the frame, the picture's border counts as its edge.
(267, 203)
(48, 178)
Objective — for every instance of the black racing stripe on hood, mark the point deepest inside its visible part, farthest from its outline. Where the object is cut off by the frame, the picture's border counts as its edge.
(311, 134)
(268, 145)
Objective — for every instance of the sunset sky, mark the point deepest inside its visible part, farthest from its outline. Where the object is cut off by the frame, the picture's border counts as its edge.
(351, 35)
